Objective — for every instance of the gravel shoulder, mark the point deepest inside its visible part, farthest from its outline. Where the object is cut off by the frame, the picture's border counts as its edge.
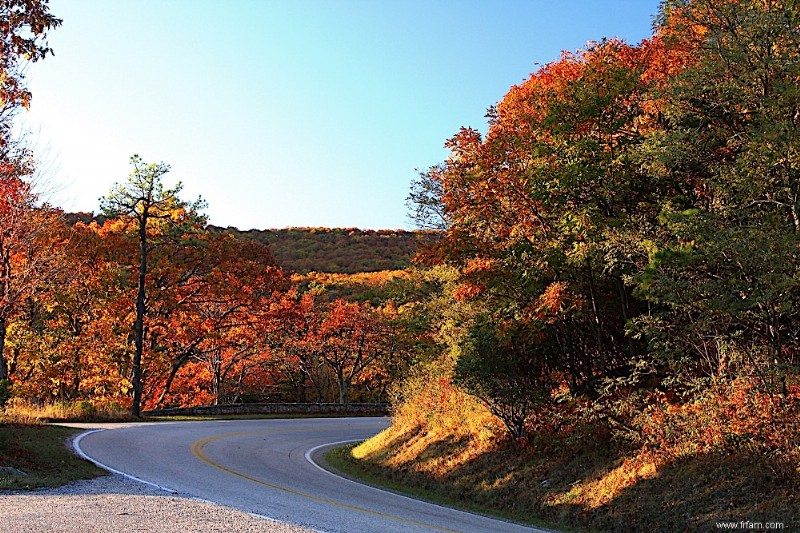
(114, 503)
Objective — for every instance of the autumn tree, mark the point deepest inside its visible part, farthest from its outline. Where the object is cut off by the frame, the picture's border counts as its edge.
(207, 295)
(726, 269)
(65, 339)
(31, 258)
(216, 292)
(629, 221)
(156, 213)
(537, 209)
(349, 340)
(291, 319)
(24, 25)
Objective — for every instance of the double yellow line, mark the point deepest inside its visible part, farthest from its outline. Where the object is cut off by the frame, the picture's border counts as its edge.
(198, 451)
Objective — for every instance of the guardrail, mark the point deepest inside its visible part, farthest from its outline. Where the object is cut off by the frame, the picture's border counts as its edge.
(346, 409)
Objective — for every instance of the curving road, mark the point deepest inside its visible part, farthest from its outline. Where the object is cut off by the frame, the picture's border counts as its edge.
(266, 467)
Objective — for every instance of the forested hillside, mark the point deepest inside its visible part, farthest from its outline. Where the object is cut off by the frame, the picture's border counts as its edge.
(330, 250)
(336, 250)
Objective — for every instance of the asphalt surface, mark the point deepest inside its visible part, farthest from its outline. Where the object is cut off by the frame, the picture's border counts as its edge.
(268, 468)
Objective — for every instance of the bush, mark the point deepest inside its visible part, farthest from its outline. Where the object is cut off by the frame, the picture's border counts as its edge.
(429, 401)
(505, 371)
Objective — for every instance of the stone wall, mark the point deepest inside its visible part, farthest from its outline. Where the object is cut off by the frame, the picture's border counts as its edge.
(325, 409)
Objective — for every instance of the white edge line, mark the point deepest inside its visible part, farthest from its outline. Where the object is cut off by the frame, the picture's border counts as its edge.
(76, 444)
(310, 452)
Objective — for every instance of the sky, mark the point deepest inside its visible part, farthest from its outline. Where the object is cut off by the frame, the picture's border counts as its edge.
(295, 113)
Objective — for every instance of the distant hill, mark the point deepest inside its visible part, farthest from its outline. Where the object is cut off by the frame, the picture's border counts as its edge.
(337, 250)
(327, 250)
(86, 218)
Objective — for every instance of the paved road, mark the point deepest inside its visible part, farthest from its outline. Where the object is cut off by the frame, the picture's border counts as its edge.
(267, 467)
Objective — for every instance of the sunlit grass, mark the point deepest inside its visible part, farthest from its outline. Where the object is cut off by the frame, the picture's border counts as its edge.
(27, 413)
(342, 460)
(696, 464)
(594, 493)
(435, 478)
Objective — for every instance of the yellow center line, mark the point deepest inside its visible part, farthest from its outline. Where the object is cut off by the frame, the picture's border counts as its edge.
(198, 451)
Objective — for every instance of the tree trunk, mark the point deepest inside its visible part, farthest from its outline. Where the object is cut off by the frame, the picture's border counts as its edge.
(136, 369)
(216, 378)
(344, 384)
(176, 366)
(5, 275)
(3, 360)
(597, 324)
(300, 389)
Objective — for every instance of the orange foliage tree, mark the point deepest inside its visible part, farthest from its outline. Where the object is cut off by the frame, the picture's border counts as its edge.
(541, 212)
(329, 346)
(66, 340)
(214, 318)
(23, 30)
(629, 222)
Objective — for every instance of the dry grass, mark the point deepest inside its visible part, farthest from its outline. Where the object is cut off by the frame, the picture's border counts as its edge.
(586, 484)
(26, 413)
(732, 455)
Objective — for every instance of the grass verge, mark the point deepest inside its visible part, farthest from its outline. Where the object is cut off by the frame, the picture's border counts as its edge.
(341, 460)
(582, 484)
(41, 452)
(25, 413)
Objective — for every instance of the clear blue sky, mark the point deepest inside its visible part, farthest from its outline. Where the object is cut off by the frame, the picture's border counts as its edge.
(289, 113)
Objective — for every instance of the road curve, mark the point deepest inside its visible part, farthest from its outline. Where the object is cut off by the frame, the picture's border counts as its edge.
(266, 467)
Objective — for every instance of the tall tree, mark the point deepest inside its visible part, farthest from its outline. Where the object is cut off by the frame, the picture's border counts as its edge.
(726, 269)
(28, 255)
(155, 212)
(23, 29)
(537, 207)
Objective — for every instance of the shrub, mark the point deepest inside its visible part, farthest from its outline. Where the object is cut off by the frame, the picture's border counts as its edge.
(505, 371)
(5, 391)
